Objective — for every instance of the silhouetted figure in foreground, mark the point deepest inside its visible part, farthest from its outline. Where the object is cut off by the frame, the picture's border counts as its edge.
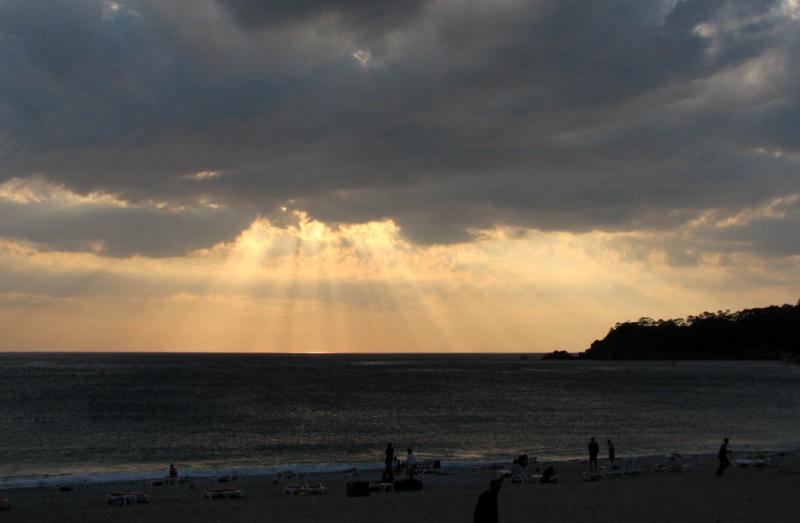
(411, 462)
(173, 472)
(594, 450)
(388, 475)
(723, 457)
(486, 509)
(611, 452)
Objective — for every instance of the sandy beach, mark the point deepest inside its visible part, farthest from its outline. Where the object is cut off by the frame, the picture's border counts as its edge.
(766, 493)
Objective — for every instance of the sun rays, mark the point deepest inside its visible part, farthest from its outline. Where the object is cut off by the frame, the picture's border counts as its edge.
(296, 284)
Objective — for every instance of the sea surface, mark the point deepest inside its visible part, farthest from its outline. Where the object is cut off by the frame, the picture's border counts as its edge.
(84, 417)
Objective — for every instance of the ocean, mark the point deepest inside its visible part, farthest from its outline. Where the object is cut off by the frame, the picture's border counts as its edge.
(90, 417)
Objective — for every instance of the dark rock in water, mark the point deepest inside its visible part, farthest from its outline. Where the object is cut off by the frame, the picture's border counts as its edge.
(558, 355)
(408, 484)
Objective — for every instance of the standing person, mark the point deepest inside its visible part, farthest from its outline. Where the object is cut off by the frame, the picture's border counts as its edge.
(594, 449)
(723, 457)
(411, 462)
(173, 472)
(388, 474)
(486, 509)
(611, 452)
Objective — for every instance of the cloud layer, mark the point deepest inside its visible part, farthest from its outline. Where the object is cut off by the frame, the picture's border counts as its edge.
(445, 116)
(417, 175)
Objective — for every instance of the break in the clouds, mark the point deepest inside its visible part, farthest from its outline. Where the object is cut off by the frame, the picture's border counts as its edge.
(445, 116)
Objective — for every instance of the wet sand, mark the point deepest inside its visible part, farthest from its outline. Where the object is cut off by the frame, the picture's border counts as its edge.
(742, 494)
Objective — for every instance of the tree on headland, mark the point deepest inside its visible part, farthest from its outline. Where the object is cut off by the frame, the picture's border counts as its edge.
(766, 333)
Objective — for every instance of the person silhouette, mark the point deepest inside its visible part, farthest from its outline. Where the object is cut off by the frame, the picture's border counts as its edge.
(548, 475)
(486, 509)
(611, 452)
(411, 463)
(723, 457)
(173, 472)
(388, 474)
(594, 449)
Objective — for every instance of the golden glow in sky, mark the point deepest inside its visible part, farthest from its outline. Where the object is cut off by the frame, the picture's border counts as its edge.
(307, 286)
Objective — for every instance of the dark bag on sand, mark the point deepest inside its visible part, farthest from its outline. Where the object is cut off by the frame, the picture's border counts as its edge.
(357, 489)
(408, 484)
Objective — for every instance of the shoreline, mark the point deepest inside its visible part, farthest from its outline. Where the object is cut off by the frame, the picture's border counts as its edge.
(694, 494)
(129, 474)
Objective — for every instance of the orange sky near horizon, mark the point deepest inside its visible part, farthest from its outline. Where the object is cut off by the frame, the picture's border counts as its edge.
(307, 286)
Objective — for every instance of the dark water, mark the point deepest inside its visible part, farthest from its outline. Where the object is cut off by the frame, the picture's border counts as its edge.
(132, 413)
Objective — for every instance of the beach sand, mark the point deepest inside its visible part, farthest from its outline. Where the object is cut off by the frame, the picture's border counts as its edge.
(742, 494)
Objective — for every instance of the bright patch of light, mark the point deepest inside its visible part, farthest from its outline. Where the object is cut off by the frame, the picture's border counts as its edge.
(363, 57)
(791, 8)
(204, 175)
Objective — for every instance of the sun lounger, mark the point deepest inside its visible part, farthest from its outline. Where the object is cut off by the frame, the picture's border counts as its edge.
(4, 504)
(304, 489)
(69, 488)
(488, 466)
(223, 493)
(315, 489)
(224, 479)
(294, 489)
(678, 466)
(750, 462)
(592, 475)
(380, 486)
(121, 498)
(165, 482)
(630, 468)
(611, 471)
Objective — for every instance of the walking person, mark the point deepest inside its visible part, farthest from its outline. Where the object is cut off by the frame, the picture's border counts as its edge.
(723, 457)
(388, 474)
(594, 450)
(611, 452)
(486, 509)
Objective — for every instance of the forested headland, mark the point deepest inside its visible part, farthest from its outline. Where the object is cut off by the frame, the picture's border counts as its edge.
(766, 333)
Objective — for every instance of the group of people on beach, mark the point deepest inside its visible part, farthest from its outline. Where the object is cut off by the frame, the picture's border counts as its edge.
(486, 508)
(392, 463)
(594, 450)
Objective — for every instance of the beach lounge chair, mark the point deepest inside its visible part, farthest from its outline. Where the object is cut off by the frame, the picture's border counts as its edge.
(5, 504)
(673, 466)
(592, 475)
(380, 486)
(313, 489)
(164, 482)
(304, 489)
(69, 488)
(611, 471)
(294, 489)
(225, 479)
(750, 462)
(122, 498)
(487, 466)
(223, 493)
(630, 468)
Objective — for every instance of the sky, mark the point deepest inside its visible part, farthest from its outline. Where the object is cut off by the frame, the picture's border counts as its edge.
(417, 175)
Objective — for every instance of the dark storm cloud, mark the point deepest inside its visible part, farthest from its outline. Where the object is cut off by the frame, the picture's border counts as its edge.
(569, 115)
(365, 13)
(119, 232)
